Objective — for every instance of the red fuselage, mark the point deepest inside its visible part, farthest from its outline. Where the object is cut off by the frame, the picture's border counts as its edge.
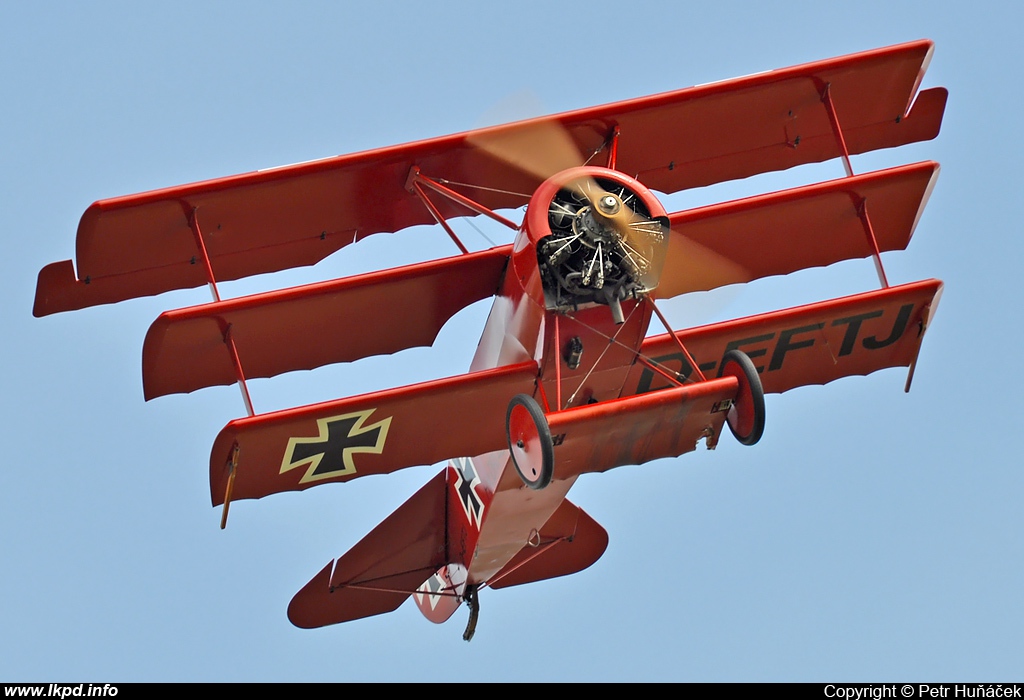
(521, 327)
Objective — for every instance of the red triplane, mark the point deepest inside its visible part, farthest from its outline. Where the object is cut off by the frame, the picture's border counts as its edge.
(565, 380)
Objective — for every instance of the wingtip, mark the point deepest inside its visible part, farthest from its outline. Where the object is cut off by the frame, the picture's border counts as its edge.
(220, 464)
(55, 286)
(305, 610)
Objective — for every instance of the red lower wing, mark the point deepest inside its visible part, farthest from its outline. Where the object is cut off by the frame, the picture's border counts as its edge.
(374, 433)
(812, 344)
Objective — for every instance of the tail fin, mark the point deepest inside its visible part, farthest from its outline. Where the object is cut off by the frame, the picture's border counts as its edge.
(441, 594)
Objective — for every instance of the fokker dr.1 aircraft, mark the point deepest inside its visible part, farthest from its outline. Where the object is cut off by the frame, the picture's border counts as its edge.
(566, 380)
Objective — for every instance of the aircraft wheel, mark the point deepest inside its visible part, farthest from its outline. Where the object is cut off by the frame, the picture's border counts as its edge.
(746, 417)
(529, 441)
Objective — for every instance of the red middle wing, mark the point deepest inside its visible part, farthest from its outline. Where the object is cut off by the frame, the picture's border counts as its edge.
(314, 325)
(796, 229)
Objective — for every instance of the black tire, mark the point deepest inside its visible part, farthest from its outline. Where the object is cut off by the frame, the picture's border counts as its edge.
(747, 429)
(541, 476)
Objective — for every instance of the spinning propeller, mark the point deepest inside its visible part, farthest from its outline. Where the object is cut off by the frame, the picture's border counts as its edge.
(604, 222)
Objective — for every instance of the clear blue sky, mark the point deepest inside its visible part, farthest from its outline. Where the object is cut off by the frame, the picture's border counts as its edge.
(871, 535)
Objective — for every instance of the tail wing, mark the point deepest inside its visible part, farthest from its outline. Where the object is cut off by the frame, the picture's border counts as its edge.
(384, 568)
(570, 541)
(410, 547)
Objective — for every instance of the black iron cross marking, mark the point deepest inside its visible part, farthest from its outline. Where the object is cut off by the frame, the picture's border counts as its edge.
(329, 454)
(464, 485)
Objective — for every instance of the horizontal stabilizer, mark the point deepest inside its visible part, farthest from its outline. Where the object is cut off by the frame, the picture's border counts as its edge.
(796, 229)
(375, 433)
(384, 568)
(314, 325)
(269, 220)
(805, 345)
(570, 541)
(636, 429)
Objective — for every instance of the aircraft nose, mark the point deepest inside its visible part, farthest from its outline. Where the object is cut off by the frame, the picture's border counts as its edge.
(609, 204)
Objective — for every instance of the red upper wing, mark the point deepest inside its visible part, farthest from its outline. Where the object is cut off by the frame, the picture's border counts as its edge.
(270, 220)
